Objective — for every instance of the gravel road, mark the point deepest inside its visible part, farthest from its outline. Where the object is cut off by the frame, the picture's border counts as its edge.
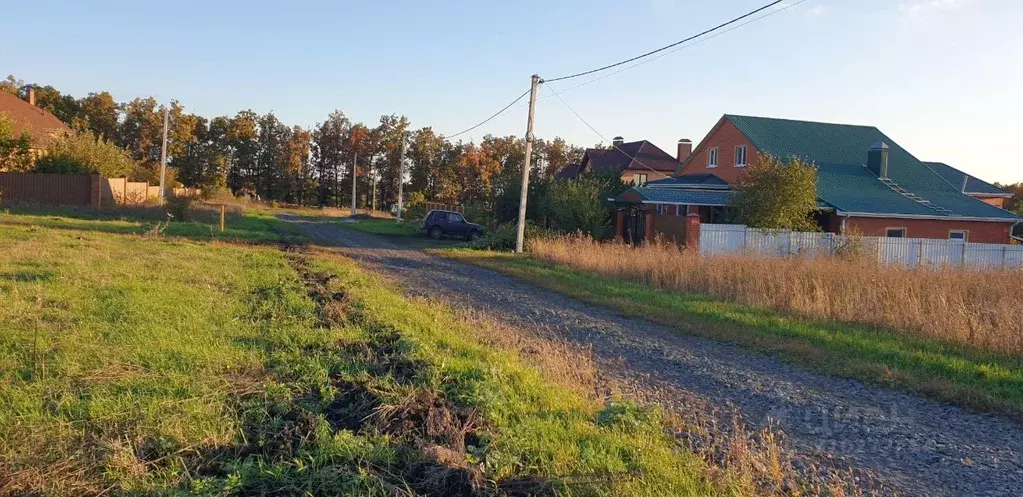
(913, 445)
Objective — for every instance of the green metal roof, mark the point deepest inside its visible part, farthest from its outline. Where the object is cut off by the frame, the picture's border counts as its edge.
(955, 177)
(676, 196)
(840, 152)
(690, 181)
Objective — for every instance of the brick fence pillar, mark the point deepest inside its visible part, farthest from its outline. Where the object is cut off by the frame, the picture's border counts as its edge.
(693, 231)
(95, 190)
(649, 232)
(620, 225)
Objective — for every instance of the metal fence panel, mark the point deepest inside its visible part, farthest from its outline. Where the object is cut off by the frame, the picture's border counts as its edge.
(911, 252)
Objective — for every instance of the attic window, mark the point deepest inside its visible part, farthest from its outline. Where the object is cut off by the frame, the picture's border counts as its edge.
(895, 232)
(740, 156)
(712, 157)
(639, 179)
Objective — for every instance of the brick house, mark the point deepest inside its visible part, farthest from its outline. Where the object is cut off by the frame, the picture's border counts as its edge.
(637, 162)
(866, 182)
(40, 124)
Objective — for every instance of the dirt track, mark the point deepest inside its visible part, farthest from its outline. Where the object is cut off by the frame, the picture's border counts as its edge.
(913, 445)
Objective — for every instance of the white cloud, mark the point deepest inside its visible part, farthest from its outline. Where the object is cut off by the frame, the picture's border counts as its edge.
(922, 6)
(817, 10)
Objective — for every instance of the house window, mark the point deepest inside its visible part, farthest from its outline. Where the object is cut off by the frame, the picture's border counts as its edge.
(712, 157)
(660, 209)
(740, 156)
(639, 179)
(963, 235)
(895, 232)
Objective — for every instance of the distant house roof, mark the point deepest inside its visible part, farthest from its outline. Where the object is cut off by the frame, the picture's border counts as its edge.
(840, 152)
(568, 171)
(632, 155)
(974, 185)
(40, 124)
(706, 181)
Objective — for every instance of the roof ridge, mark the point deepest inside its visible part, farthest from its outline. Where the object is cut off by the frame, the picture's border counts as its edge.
(803, 121)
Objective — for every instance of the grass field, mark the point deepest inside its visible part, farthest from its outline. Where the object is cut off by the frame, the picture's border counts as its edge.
(946, 371)
(253, 226)
(134, 363)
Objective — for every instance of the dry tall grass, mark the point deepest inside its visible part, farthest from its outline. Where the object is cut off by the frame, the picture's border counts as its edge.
(980, 308)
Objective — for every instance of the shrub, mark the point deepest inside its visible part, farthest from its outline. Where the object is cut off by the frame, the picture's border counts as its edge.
(503, 237)
(178, 207)
(15, 154)
(415, 206)
(480, 213)
(581, 205)
(776, 195)
(81, 152)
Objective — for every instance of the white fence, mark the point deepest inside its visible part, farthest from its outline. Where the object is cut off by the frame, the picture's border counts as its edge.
(732, 238)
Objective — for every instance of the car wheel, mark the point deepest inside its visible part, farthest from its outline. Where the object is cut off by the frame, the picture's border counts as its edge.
(474, 235)
(436, 232)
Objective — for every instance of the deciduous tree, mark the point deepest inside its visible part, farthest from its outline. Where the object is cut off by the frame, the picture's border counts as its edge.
(777, 195)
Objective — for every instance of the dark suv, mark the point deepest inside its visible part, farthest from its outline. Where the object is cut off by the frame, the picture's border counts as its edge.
(440, 223)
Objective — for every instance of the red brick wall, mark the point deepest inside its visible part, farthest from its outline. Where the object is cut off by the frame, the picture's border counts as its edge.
(725, 137)
(980, 232)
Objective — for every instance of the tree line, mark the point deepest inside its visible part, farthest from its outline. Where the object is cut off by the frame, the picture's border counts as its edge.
(258, 155)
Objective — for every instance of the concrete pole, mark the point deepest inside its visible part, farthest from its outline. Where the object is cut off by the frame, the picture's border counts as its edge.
(401, 175)
(163, 152)
(523, 196)
(355, 166)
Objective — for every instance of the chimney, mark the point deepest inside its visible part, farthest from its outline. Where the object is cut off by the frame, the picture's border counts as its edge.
(877, 159)
(685, 148)
(31, 94)
(617, 141)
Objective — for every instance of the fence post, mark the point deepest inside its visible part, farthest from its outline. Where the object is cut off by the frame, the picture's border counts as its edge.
(964, 253)
(1005, 256)
(222, 209)
(649, 228)
(920, 254)
(95, 191)
(693, 231)
(745, 236)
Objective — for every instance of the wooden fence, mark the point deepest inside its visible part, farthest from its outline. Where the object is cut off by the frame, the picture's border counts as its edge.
(431, 206)
(79, 190)
(912, 252)
(46, 189)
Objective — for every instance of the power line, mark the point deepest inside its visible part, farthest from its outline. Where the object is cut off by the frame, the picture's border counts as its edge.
(491, 118)
(588, 125)
(677, 43)
(701, 40)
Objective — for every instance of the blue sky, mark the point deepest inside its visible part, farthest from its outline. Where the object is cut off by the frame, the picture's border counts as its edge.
(941, 77)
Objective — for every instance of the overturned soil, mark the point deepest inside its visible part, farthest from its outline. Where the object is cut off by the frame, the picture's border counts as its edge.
(911, 445)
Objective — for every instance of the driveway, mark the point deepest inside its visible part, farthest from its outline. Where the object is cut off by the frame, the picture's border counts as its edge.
(910, 444)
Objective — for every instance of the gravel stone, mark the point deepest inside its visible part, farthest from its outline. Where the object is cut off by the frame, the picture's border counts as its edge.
(911, 445)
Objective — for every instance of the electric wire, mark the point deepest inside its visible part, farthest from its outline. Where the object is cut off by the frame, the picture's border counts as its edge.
(677, 43)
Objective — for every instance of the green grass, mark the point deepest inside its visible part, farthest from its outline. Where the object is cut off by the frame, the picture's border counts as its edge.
(253, 226)
(167, 365)
(970, 378)
(389, 227)
(406, 232)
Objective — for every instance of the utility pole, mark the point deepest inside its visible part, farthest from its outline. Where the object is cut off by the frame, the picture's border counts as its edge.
(373, 206)
(401, 175)
(163, 152)
(526, 166)
(355, 168)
